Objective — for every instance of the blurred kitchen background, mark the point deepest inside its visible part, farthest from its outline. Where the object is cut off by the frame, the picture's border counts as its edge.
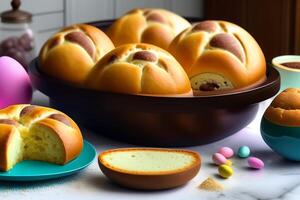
(51, 15)
(275, 24)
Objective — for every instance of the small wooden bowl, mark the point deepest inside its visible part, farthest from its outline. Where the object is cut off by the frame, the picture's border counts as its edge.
(155, 179)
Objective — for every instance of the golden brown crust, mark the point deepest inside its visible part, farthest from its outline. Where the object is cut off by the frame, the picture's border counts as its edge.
(29, 116)
(139, 69)
(220, 48)
(285, 108)
(154, 26)
(6, 133)
(72, 52)
(71, 138)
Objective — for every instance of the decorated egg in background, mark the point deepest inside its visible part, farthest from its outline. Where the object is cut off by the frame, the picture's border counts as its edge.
(15, 85)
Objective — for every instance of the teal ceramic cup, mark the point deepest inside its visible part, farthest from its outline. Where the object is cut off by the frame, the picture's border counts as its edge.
(283, 140)
(290, 77)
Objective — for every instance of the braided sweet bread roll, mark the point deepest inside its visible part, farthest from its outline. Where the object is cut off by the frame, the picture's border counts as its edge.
(219, 55)
(30, 132)
(72, 52)
(139, 69)
(153, 26)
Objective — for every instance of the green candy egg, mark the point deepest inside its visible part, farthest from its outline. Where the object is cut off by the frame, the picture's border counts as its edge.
(244, 152)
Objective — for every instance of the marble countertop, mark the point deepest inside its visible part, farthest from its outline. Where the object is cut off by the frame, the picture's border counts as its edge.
(280, 179)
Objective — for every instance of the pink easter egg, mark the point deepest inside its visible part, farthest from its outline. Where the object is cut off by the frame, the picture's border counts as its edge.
(219, 159)
(255, 163)
(15, 84)
(226, 152)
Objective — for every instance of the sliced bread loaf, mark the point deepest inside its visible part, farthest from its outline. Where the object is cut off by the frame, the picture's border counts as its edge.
(149, 168)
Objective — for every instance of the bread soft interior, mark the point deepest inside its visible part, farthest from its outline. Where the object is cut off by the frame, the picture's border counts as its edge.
(37, 143)
(14, 152)
(148, 161)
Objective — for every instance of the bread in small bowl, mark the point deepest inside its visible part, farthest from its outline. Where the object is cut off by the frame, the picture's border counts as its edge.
(219, 55)
(280, 124)
(285, 109)
(139, 69)
(149, 168)
(29, 132)
(153, 26)
(73, 51)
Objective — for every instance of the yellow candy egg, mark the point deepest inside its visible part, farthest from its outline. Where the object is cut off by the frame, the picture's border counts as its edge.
(225, 171)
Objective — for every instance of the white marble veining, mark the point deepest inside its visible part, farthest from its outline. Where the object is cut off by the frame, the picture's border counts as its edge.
(280, 179)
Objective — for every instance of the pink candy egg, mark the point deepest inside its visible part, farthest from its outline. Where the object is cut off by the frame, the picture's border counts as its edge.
(15, 85)
(219, 159)
(255, 163)
(226, 152)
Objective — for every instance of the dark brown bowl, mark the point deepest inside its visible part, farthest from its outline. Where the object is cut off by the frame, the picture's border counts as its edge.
(154, 120)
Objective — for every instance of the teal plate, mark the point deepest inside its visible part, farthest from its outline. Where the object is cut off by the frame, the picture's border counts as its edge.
(36, 170)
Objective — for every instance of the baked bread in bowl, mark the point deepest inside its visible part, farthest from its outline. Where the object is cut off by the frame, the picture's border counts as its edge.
(139, 69)
(280, 124)
(219, 55)
(154, 26)
(72, 52)
(285, 109)
(165, 121)
(30, 132)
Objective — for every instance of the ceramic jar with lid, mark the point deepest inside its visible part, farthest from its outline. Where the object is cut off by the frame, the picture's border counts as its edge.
(16, 35)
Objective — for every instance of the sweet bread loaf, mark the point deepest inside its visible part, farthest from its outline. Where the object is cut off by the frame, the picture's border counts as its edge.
(285, 108)
(30, 132)
(139, 69)
(219, 55)
(153, 26)
(72, 52)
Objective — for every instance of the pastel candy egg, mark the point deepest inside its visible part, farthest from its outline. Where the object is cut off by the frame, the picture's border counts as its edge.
(15, 85)
(219, 159)
(244, 152)
(225, 171)
(255, 163)
(226, 151)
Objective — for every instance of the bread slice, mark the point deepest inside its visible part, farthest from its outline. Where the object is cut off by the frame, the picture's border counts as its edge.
(149, 168)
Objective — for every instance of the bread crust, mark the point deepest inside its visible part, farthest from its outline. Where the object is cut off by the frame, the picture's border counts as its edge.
(66, 130)
(285, 108)
(220, 48)
(70, 57)
(122, 71)
(154, 26)
(6, 134)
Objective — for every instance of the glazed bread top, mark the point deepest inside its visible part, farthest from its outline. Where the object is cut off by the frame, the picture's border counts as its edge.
(73, 51)
(149, 161)
(285, 108)
(219, 54)
(24, 117)
(139, 69)
(154, 26)
(92, 40)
